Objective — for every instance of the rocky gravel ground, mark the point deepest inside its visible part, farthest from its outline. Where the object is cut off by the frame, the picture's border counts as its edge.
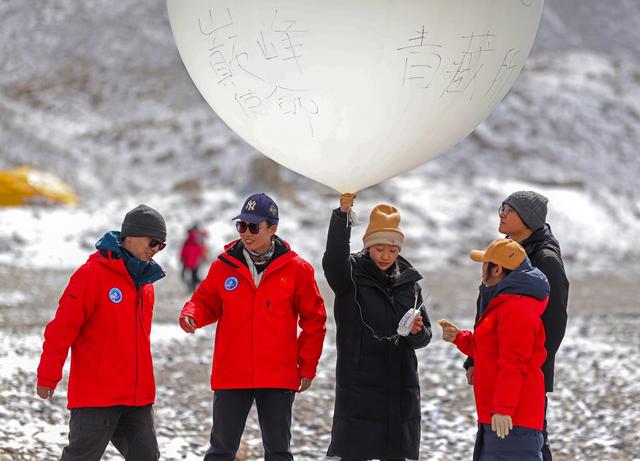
(594, 413)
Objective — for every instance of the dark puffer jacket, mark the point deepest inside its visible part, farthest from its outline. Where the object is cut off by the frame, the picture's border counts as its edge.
(544, 253)
(377, 407)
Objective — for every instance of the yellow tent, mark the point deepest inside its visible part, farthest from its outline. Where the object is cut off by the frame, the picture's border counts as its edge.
(27, 186)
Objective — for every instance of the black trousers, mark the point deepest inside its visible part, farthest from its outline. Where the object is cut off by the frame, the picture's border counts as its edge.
(195, 278)
(230, 410)
(546, 449)
(130, 429)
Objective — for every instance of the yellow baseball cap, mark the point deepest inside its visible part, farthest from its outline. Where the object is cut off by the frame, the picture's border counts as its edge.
(503, 252)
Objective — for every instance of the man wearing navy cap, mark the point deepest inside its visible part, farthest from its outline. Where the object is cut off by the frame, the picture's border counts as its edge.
(259, 291)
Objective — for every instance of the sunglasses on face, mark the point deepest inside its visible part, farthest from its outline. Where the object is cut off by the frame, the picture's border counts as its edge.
(153, 243)
(242, 227)
(504, 209)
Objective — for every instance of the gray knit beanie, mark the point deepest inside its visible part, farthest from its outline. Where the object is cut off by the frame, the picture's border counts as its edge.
(530, 206)
(144, 221)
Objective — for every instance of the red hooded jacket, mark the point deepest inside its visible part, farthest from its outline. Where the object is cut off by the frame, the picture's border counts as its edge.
(507, 346)
(193, 250)
(107, 323)
(256, 342)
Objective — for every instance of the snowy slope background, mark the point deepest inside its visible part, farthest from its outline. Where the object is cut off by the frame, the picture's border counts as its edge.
(95, 92)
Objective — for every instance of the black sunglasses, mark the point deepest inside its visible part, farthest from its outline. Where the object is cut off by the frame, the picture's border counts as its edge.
(157, 243)
(242, 227)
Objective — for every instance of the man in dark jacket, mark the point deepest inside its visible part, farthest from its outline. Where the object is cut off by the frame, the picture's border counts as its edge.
(104, 316)
(377, 405)
(522, 218)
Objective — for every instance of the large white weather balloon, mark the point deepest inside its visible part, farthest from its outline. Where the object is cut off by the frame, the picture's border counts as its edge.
(352, 92)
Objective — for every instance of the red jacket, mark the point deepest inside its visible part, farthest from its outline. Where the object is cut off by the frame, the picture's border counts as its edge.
(507, 346)
(256, 341)
(193, 250)
(106, 322)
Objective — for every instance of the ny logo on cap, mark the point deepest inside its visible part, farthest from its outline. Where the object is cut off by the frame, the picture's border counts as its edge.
(251, 205)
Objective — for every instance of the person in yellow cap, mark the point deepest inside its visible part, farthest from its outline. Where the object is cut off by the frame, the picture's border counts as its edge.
(507, 345)
(377, 405)
(522, 217)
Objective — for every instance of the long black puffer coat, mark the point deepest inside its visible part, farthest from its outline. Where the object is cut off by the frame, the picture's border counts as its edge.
(377, 407)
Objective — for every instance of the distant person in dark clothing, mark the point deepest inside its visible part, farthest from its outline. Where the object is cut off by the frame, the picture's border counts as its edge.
(377, 404)
(193, 253)
(523, 219)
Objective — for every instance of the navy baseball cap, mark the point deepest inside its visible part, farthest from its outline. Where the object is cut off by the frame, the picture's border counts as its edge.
(259, 207)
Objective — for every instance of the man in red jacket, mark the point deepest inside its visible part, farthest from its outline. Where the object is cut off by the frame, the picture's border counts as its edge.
(259, 291)
(507, 346)
(104, 316)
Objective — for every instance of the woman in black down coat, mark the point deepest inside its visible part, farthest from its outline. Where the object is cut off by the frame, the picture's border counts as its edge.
(377, 406)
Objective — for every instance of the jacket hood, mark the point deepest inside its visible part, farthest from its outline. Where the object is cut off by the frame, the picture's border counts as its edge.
(192, 236)
(399, 273)
(110, 242)
(525, 280)
(141, 272)
(542, 238)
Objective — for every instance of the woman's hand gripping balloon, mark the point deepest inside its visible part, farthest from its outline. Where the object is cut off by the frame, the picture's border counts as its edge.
(346, 201)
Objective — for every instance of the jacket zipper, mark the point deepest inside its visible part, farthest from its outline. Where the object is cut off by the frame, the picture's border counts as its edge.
(138, 309)
(245, 273)
(251, 340)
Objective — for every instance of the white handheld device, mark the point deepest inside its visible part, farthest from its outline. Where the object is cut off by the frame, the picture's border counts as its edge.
(406, 322)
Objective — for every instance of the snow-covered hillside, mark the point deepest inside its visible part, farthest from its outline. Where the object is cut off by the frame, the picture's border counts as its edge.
(96, 93)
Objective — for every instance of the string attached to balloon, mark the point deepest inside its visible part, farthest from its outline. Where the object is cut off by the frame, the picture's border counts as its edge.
(352, 217)
(395, 338)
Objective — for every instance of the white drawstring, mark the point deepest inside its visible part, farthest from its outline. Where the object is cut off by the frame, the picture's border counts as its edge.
(396, 337)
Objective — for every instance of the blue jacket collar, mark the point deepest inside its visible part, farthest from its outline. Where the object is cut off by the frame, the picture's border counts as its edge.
(524, 280)
(142, 272)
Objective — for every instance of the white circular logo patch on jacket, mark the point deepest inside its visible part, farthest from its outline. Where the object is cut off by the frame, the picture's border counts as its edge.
(231, 283)
(115, 295)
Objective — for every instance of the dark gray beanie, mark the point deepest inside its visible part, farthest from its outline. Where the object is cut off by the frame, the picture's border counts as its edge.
(530, 206)
(144, 221)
